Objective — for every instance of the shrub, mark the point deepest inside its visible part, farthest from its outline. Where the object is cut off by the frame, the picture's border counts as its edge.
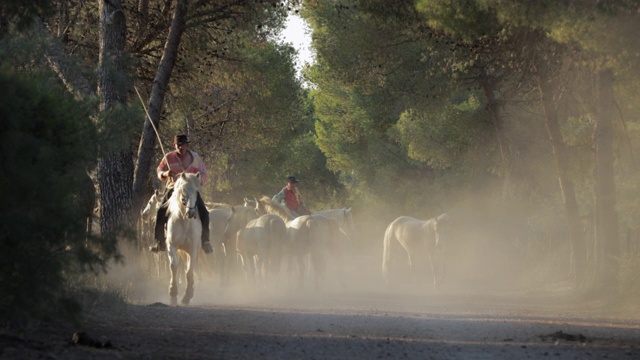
(48, 143)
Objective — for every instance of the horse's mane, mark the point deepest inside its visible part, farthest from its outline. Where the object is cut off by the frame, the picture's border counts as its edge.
(272, 207)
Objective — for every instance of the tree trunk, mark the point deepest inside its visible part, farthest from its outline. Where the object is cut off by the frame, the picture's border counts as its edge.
(488, 86)
(156, 100)
(115, 166)
(578, 248)
(606, 218)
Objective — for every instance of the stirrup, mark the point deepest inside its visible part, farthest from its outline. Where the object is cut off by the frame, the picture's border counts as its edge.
(206, 246)
(158, 246)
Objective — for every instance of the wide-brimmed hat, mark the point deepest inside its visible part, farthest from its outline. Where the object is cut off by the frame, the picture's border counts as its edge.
(292, 179)
(181, 139)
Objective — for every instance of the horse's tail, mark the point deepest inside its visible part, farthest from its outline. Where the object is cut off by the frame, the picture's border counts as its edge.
(386, 252)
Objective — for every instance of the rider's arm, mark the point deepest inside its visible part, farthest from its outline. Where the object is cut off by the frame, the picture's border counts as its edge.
(279, 197)
(163, 170)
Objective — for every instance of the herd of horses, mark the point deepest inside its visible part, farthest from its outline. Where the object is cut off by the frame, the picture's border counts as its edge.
(261, 236)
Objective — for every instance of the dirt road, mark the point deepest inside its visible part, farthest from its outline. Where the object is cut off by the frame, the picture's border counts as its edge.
(346, 325)
(482, 312)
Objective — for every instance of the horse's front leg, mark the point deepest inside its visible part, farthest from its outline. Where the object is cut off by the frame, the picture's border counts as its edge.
(190, 265)
(434, 267)
(433, 270)
(242, 263)
(317, 261)
(413, 271)
(220, 256)
(173, 284)
(302, 269)
(256, 272)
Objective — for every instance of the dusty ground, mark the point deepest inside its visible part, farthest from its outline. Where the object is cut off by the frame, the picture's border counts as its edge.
(363, 326)
(360, 321)
(489, 307)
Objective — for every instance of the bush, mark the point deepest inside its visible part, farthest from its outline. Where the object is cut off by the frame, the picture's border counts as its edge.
(48, 143)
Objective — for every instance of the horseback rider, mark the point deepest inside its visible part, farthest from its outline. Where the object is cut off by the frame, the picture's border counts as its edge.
(291, 198)
(175, 162)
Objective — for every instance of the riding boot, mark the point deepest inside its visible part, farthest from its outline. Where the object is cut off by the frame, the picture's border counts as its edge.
(161, 220)
(204, 218)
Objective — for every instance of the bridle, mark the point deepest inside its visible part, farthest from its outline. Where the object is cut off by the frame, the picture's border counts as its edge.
(184, 202)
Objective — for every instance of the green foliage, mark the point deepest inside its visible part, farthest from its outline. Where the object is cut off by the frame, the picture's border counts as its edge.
(400, 118)
(252, 123)
(116, 126)
(440, 137)
(48, 145)
(384, 80)
(467, 19)
(20, 13)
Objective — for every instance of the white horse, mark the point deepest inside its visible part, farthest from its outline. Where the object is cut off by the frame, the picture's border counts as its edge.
(312, 235)
(343, 217)
(234, 224)
(222, 252)
(152, 205)
(416, 237)
(148, 216)
(261, 243)
(184, 231)
(157, 265)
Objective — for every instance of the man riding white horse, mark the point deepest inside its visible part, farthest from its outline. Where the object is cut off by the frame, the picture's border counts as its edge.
(175, 162)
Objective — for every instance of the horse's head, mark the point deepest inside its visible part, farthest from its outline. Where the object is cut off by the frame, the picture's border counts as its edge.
(261, 205)
(441, 229)
(250, 203)
(152, 205)
(237, 220)
(185, 194)
(348, 217)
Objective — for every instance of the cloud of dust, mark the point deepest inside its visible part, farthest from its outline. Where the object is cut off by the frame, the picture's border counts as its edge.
(516, 255)
(489, 261)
